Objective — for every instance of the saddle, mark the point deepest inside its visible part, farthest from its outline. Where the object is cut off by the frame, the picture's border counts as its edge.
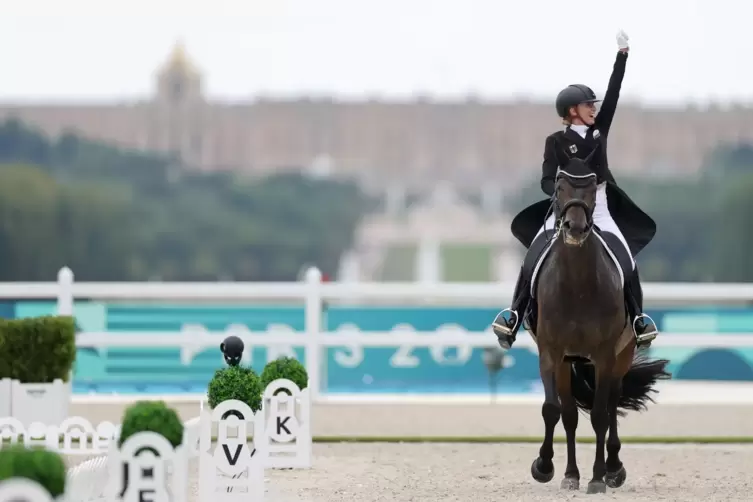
(539, 251)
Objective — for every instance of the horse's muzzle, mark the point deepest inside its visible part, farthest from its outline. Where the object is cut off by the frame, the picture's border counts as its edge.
(575, 231)
(574, 235)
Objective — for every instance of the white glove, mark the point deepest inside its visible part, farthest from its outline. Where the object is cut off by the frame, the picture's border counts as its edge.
(622, 40)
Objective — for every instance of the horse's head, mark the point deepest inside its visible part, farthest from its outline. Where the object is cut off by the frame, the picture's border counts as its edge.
(574, 198)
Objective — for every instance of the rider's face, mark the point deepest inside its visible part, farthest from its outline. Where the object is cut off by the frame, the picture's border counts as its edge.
(583, 114)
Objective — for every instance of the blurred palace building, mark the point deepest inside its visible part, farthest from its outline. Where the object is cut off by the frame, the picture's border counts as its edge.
(378, 142)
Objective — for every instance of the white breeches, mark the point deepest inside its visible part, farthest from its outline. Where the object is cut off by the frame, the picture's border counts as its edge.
(602, 219)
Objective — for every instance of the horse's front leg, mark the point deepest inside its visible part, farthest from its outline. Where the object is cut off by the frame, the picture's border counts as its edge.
(542, 468)
(616, 473)
(570, 421)
(600, 423)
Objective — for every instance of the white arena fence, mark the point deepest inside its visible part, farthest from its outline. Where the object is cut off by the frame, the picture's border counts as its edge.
(315, 295)
(146, 467)
(232, 454)
(286, 436)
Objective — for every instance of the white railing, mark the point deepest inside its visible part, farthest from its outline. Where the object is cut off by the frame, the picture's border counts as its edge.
(314, 295)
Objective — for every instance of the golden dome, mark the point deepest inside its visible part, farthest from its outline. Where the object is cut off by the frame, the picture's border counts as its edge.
(179, 60)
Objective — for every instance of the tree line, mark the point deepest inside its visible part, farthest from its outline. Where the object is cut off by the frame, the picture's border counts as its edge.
(114, 214)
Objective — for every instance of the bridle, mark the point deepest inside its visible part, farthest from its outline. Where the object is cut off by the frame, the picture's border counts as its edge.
(575, 181)
(561, 212)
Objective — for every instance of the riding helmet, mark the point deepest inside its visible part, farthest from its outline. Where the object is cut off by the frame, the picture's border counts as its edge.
(574, 95)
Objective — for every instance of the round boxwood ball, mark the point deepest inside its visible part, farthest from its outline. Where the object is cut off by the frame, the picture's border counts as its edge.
(235, 382)
(37, 464)
(285, 367)
(152, 416)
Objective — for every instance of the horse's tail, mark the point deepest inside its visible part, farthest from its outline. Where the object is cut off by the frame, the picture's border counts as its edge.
(637, 384)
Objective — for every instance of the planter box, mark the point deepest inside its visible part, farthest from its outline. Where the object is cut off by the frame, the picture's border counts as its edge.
(5, 398)
(40, 402)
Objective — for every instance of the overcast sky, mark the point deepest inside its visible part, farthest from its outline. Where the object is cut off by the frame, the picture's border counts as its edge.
(101, 49)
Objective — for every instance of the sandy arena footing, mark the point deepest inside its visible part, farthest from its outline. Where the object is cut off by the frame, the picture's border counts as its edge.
(495, 472)
(462, 472)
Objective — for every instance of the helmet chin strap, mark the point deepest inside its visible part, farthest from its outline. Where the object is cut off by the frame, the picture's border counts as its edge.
(579, 117)
(571, 119)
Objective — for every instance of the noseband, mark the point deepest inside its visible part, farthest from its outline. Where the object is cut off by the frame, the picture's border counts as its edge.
(560, 213)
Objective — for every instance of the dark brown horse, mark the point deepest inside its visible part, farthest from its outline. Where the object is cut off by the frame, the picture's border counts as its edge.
(587, 351)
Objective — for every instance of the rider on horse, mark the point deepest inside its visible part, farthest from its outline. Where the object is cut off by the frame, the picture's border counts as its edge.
(584, 133)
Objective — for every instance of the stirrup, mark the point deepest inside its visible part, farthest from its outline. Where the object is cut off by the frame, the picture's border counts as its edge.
(645, 337)
(503, 327)
(505, 334)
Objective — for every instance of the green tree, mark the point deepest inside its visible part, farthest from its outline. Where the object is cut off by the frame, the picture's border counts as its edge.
(116, 214)
(730, 236)
(28, 230)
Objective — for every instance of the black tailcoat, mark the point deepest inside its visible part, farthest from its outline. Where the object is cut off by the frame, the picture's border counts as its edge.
(637, 227)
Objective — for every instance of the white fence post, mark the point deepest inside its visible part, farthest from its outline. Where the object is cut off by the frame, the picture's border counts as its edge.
(65, 291)
(313, 327)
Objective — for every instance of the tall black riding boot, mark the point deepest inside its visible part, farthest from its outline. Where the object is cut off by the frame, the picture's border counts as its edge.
(643, 326)
(507, 328)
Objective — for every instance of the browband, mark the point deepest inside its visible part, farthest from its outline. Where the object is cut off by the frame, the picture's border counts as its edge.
(561, 171)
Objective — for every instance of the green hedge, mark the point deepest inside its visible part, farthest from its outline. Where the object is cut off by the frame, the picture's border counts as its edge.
(151, 416)
(235, 382)
(285, 367)
(37, 349)
(37, 464)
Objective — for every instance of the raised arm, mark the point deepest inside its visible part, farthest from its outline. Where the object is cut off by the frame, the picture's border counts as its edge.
(609, 105)
(549, 166)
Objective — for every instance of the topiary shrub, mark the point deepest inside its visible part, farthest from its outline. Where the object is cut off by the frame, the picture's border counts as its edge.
(235, 382)
(37, 464)
(151, 416)
(37, 349)
(285, 367)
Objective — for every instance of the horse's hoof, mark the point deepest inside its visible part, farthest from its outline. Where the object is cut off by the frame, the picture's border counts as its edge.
(570, 484)
(540, 475)
(596, 487)
(617, 478)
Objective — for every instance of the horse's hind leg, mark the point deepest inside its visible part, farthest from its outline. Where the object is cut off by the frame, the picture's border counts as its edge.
(600, 423)
(570, 421)
(616, 473)
(542, 468)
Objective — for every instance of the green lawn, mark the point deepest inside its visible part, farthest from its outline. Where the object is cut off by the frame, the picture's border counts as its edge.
(399, 264)
(467, 262)
(460, 263)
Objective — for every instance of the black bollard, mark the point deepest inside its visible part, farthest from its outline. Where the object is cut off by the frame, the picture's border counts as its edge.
(494, 360)
(232, 350)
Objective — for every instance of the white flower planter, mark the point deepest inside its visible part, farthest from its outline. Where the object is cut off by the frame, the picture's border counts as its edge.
(40, 402)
